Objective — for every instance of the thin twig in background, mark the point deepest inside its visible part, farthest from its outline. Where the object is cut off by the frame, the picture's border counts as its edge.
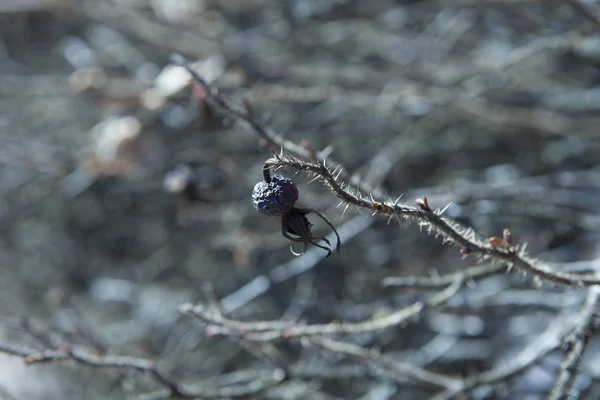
(217, 324)
(89, 358)
(22, 6)
(587, 9)
(401, 371)
(548, 341)
(569, 369)
(204, 388)
(162, 36)
(514, 118)
(513, 299)
(437, 282)
(413, 137)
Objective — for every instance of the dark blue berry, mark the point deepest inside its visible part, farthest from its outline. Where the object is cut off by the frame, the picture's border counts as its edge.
(275, 198)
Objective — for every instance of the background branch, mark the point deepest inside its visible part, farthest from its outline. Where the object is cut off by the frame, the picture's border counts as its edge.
(577, 343)
(241, 383)
(270, 331)
(548, 341)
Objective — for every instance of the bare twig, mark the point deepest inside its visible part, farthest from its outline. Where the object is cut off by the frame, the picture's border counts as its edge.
(402, 372)
(217, 324)
(235, 386)
(327, 371)
(89, 358)
(45, 338)
(436, 282)
(570, 365)
(536, 350)
(503, 117)
(246, 114)
(517, 299)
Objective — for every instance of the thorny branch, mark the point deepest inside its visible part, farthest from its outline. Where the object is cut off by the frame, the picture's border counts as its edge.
(451, 232)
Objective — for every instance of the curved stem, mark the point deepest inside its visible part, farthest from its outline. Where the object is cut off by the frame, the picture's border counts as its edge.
(324, 218)
(286, 233)
(327, 249)
(266, 173)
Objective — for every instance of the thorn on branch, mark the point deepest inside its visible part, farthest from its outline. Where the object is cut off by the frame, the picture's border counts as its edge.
(423, 204)
(508, 238)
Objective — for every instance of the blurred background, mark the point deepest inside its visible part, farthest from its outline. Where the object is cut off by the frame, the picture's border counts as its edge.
(490, 105)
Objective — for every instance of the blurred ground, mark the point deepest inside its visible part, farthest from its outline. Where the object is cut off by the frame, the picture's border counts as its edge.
(491, 105)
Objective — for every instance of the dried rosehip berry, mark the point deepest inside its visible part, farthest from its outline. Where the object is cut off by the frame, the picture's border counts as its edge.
(276, 197)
